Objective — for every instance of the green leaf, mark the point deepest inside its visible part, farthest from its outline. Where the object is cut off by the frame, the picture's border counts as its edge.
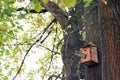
(8, 12)
(6, 66)
(11, 33)
(1, 16)
(16, 22)
(1, 36)
(7, 52)
(36, 5)
(10, 2)
(12, 23)
(45, 1)
(21, 16)
(15, 50)
(1, 74)
(69, 3)
(0, 70)
(1, 53)
(19, 27)
(5, 78)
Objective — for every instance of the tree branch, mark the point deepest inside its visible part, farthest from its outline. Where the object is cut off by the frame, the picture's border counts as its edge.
(51, 59)
(35, 45)
(56, 77)
(58, 44)
(31, 10)
(45, 29)
(25, 58)
(57, 12)
(53, 50)
(45, 37)
(49, 49)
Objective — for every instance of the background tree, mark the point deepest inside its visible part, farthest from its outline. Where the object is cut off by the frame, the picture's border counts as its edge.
(110, 39)
(104, 35)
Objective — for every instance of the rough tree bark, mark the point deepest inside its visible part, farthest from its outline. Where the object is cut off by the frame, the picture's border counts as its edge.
(92, 34)
(72, 43)
(106, 37)
(110, 38)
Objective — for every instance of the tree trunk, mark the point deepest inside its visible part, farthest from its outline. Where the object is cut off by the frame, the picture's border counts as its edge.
(110, 38)
(105, 36)
(92, 35)
(72, 43)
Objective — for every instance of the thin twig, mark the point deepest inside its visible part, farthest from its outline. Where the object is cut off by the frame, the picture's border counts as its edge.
(49, 49)
(24, 58)
(35, 45)
(46, 37)
(53, 50)
(51, 59)
(45, 29)
(56, 76)
(58, 44)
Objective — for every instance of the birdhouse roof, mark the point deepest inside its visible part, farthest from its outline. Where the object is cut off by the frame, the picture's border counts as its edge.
(89, 44)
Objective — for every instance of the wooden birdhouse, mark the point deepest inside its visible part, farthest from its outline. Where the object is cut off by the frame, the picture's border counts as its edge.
(91, 56)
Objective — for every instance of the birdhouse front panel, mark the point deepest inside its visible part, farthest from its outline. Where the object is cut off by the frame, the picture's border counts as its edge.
(86, 51)
(91, 55)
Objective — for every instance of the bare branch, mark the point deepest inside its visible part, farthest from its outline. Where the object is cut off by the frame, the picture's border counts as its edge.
(51, 59)
(52, 55)
(20, 9)
(53, 49)
(55, 52)
(58, 44)
(45, 37)
(56, 76)
(31, 10)
(25, 58)
(49, 49)
(45, 29)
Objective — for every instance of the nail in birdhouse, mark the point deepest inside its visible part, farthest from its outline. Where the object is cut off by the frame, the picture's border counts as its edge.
(90, 50)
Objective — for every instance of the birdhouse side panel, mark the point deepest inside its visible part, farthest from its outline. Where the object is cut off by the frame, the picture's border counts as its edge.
(94, 55)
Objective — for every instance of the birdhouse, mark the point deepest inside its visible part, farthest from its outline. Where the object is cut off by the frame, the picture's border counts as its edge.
(91, 56)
